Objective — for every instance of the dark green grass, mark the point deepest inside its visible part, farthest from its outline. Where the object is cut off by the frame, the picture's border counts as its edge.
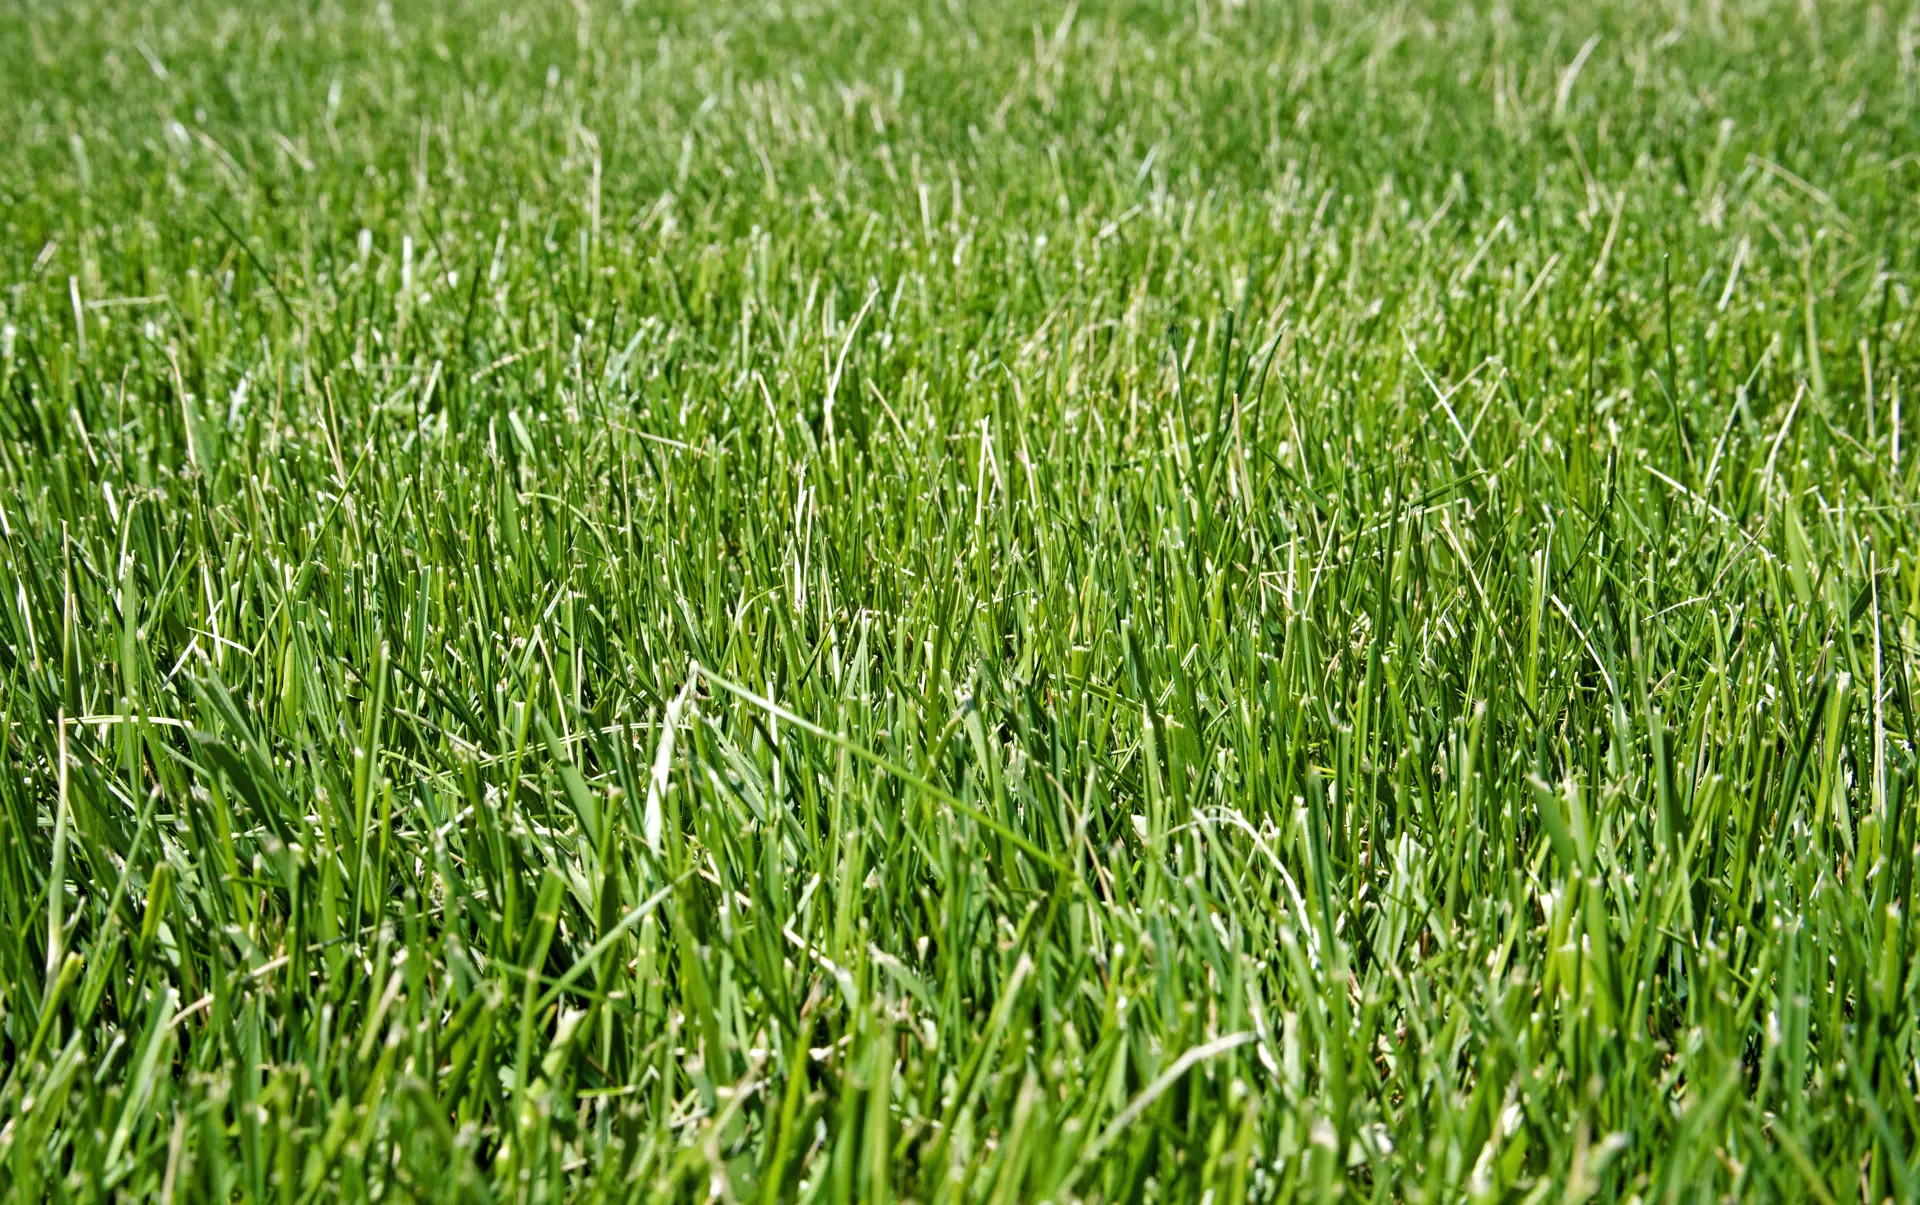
(958, 601)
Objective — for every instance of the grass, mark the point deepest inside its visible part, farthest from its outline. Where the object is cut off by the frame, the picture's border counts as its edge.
(959, 601)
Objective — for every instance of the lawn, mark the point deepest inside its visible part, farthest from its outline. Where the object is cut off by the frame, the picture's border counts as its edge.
(959, 600)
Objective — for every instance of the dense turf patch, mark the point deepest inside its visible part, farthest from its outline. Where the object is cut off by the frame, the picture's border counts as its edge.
(958, 600)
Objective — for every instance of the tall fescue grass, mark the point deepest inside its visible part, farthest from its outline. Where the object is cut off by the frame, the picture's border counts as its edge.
(954, 600)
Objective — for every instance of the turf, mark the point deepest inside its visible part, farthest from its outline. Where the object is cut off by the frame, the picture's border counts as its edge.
(961, 600)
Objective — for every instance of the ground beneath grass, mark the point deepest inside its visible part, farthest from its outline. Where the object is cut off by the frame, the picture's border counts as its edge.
(958, 600)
